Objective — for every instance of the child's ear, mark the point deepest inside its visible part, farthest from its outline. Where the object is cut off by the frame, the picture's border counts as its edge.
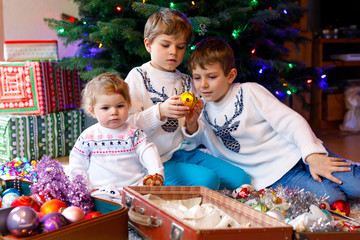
(147, 45)
(91, 110)
(232, 75)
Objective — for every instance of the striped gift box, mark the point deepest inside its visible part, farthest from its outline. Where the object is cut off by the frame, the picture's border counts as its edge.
(37, 88)
(33, 136)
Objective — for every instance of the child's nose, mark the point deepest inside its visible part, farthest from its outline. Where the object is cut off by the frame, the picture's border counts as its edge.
(173, 50)
(204, 83)
(114, 111)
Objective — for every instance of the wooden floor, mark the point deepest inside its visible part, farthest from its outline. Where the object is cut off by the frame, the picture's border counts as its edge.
(344, 144)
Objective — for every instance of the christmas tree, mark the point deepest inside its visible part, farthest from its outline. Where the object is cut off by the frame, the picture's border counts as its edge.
(111, 37)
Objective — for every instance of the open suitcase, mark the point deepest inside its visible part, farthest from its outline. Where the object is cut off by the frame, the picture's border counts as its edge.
(159, 224)
(113, 224)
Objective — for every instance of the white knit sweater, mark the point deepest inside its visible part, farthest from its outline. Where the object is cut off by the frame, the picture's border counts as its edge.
(252, 129)
(119, 157)
(148, 88)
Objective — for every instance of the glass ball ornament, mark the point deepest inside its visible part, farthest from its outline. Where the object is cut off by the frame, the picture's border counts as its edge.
(3, 185)
(53, 205)
(276, 214)
(52, 221)
(8, 199)
(342, 206)
(73, 214)
(93, 214)
(10, 190)
(22, 221)
(189, 98)
(26, 201)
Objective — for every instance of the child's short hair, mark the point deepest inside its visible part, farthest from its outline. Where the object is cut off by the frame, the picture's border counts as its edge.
(167, 21)
(213, 50)
(105, 83)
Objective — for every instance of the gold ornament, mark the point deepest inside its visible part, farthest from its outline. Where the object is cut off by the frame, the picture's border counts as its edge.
(189, 98)
(3, 185)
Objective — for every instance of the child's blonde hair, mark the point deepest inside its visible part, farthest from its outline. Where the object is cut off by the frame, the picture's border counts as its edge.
(213, 50)
(167, 21)
(105, 83)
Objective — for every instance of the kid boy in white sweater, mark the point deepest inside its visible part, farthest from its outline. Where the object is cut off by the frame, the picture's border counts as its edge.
(245, 125)
(155, 88)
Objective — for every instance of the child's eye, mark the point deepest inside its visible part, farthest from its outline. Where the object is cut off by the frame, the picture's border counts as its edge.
(165, 45)
(212, 76)
(120, 106)
(105, 108)
(196, 78)
(181, 47)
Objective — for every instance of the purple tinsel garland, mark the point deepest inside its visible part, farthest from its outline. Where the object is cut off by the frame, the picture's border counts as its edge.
(53, 183)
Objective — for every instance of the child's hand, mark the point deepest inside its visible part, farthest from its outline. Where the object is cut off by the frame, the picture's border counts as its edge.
(153, 180)
(173, 108)
(321, 165)
(191, 118)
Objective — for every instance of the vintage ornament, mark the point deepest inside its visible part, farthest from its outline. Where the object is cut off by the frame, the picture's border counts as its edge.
(51, 206)
(8, 199)
(275, 213)
(10, 190)
(341, 206)
(52, 221)
(189, 98)
(73, 214)
(22, 221)
(3, 185)
(259, 206)
(93, 214)
(325, 205)
(26, 201)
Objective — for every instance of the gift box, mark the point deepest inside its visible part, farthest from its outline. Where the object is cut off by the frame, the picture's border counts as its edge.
(155, 223)
(37, 88)
(32, 136)
(30, 50)
(112, 224)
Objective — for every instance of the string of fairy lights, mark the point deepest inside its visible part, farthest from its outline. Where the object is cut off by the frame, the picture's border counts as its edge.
(236, 33)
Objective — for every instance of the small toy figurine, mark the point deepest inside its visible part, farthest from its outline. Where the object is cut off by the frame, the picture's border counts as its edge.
(189, 98)
(153, 180)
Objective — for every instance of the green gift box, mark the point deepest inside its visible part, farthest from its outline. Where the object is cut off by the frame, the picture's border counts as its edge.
(33, 136)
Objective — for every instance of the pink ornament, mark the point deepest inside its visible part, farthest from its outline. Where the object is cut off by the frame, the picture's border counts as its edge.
(73, 214)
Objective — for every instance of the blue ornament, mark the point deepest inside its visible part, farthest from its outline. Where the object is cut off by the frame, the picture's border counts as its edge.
(10, 190)
(8, 199)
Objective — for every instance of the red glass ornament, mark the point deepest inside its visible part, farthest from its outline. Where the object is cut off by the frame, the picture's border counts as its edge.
(341, 205)
(26, 201)
(244, 193)
(92, 215)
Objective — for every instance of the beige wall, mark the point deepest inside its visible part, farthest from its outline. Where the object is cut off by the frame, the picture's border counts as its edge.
(23, 20)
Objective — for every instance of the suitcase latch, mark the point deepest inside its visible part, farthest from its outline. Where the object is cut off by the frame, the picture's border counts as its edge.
(128, 201)
(176, 232)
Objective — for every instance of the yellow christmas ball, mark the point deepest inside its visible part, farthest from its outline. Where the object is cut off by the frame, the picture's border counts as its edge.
(189, 98)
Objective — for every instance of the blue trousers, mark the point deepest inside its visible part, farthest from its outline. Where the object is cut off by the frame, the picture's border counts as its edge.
(196, 168)
(299, 176)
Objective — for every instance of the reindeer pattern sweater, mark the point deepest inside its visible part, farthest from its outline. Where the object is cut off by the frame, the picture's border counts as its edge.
(253, 130)
(148, 88)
